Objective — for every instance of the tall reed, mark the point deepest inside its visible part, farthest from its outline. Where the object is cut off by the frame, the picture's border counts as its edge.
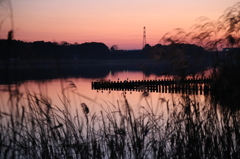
(36, 128)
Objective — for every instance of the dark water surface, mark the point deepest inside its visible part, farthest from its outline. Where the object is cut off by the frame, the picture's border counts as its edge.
(170, 124)
(79, 90)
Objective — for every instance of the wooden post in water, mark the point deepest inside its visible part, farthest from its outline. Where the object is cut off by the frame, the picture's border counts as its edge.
(189, 86)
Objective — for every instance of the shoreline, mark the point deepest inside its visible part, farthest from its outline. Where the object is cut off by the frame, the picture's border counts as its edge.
(43, 63)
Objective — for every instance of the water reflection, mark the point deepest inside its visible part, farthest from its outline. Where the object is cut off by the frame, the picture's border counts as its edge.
(154, 124)
(79, 90)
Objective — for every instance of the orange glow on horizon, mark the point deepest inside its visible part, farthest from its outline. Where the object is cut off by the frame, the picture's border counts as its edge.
(113, 23)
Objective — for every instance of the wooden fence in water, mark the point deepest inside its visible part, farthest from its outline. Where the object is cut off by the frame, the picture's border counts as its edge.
(188, 86)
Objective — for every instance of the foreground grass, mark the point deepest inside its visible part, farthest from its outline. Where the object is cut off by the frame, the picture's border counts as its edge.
(189, 129)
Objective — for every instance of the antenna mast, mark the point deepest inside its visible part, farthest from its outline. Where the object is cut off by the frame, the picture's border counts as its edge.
(144, 36)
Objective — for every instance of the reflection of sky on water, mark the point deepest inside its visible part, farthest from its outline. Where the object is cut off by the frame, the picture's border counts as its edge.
(99, 100)
(126, 75)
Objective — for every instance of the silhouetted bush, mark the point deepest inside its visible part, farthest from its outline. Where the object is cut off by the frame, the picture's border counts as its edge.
(221, 39)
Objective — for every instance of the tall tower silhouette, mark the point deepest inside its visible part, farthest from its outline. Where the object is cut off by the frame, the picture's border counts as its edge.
(144, 36)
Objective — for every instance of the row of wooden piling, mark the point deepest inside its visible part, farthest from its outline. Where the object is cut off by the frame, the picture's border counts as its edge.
(188, 86)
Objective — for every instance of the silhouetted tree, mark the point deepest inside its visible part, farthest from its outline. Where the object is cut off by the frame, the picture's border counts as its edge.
(64, 43)
(114, 48)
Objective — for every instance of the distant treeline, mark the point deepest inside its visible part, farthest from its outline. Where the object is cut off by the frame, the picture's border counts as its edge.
(51, 50)
(173, 50)
(93, 50)
(37, 60)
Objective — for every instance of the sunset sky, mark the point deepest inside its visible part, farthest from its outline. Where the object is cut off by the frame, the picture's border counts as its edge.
(113, 22)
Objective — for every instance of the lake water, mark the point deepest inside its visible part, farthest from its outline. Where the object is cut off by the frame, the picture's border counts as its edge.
(71, 92)
(180, 124)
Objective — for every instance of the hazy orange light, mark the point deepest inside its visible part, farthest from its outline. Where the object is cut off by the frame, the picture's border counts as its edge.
(107, 21)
